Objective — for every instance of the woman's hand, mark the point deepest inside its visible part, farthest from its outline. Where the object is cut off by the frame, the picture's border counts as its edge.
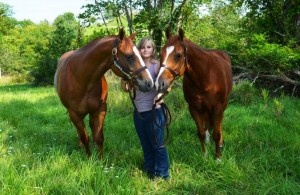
(158, 100)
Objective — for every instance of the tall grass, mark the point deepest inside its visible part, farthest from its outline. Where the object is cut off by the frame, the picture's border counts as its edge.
(39, 152)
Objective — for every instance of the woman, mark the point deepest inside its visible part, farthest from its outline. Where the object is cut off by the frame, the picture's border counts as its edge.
(150, 132)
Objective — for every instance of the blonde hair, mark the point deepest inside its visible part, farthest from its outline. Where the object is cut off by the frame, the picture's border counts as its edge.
(142, 44)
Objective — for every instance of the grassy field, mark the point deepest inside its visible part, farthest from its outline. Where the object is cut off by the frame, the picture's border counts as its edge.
(39, 152)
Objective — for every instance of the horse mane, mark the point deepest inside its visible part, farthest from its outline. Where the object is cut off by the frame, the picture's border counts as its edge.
(98, 41)
(217, 51)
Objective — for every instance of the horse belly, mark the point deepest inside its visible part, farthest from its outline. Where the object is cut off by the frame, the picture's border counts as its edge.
(203, 97)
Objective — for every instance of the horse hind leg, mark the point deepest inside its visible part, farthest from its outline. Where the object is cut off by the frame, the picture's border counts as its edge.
(96, 125)
(207, 127)
(83, 138)
(217, 134)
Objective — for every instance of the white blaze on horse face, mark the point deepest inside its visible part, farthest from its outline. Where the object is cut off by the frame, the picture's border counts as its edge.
(137, 53)
(168, 51)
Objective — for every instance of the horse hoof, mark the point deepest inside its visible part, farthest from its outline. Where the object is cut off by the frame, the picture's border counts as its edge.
(218, 160)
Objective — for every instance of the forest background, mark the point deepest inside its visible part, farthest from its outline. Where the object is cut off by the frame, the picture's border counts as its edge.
(262, 37)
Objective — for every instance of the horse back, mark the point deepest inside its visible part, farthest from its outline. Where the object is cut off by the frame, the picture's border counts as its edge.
(225, 65)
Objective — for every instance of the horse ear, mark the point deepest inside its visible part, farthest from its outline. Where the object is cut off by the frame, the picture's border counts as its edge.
(168, 32)
(181, 33)
(121, 33)
(132, 36)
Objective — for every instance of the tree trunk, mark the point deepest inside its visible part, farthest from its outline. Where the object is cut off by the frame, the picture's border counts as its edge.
(129, 19)
(297, 35)
(102, 17)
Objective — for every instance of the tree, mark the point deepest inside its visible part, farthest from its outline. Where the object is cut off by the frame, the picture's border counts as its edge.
(151, 15)
(62, 39)
(158, 15)
(6, 20)
(101, 11)
(280, 19)
(18, 49)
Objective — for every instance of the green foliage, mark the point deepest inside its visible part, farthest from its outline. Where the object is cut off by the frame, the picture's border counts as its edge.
(274, 18)
(6, 21)
(265, 56)
(64, 35)
(258, 35)
(20, 49)
(278, 107)
(91, 33)
(223, 27)
(265, 95)
(62, 39)
(244, 93)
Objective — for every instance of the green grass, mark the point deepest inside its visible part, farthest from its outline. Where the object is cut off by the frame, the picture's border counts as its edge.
(39, 152)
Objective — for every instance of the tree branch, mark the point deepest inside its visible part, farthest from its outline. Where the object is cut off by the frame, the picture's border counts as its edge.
(251, 76)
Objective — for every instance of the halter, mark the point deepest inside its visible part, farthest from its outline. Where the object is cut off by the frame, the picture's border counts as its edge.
(126, 71)
(174, 74)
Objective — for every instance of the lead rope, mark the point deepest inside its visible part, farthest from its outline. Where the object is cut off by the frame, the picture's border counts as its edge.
(168, 119)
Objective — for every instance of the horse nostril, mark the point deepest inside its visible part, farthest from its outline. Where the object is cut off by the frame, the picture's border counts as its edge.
(163, 84)
(149, 84)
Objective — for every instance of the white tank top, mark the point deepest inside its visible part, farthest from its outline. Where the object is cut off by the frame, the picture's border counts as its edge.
(145, 100)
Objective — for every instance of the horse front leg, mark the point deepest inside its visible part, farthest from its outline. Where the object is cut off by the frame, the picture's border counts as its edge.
(200, 123)
(96, 124)
(83, 139)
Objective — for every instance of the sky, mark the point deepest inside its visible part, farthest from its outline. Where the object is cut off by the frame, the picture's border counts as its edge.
(38, 10)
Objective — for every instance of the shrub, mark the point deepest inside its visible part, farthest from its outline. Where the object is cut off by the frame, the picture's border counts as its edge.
(243, 93)
(270, 57)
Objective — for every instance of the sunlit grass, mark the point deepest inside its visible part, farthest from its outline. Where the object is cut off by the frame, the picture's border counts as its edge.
(39, 152)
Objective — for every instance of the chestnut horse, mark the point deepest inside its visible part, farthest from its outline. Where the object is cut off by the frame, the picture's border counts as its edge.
(81, 86)
(207, 83)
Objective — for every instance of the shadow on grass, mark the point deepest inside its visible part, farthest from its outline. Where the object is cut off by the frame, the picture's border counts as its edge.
(15, 87)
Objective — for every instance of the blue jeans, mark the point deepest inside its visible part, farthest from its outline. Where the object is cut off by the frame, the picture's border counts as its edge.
(156, 160)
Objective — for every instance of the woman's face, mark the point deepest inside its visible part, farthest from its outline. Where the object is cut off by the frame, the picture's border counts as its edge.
(147, 50)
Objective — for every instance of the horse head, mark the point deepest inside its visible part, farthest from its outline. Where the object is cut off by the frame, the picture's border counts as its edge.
(128, 62)
(173, 60)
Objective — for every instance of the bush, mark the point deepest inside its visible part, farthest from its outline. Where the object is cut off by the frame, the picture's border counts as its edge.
(270, 57)
(243, 93)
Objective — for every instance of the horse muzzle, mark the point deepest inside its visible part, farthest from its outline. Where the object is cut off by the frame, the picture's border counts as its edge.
(144, 84)
(162, 85)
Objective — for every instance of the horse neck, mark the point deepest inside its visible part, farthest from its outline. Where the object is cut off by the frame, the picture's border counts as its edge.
(97, 57)
(195, 54)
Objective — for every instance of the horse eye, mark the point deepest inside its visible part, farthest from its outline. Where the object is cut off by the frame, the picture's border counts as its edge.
(130, 59)
(177, 56)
